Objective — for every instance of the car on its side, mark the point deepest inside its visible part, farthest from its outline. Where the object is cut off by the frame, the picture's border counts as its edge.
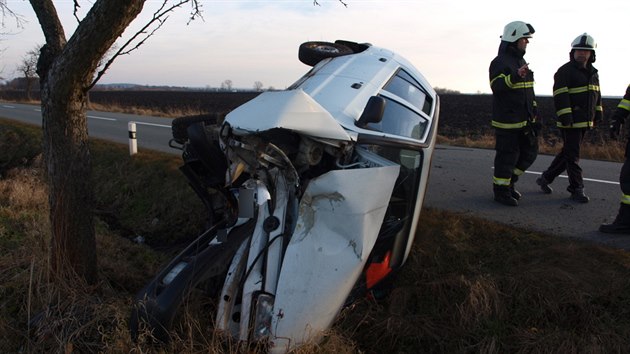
(313, 194)
(382, 102)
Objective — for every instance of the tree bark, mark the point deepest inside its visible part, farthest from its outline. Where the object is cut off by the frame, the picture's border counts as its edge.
(66, 70)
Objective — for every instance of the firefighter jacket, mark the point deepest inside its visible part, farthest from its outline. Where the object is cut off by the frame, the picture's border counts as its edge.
(621, 113)
(576, 96)
(513, 103)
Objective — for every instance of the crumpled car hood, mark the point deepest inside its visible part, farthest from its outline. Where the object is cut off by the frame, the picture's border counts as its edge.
(294, 110)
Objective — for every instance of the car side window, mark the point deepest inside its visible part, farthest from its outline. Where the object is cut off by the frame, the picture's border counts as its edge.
(405, 100)
(405, 87)
(400, 120)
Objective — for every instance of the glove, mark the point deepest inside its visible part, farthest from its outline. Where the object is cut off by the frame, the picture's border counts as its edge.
(615, 129)
(565, 120)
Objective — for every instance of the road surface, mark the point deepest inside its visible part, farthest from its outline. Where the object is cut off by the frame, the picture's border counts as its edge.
(460, 180)
(152, 132)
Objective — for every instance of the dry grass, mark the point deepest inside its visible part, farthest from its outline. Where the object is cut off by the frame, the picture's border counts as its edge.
(469, 285)
(169, 113)
(41, 314)
(474, 286)
(605, 151)
(136, 110)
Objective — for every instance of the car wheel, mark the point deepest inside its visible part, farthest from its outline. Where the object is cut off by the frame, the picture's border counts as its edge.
(179, 126)
(311, 53)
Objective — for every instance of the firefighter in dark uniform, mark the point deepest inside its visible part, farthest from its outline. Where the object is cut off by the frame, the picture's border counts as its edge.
(621, 225)
(578, 103)
(513, 112)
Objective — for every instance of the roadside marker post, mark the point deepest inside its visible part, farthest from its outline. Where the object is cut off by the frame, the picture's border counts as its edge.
(133, 141)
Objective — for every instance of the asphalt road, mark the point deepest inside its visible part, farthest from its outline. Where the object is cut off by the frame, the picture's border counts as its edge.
(152, 132)
(460, 180)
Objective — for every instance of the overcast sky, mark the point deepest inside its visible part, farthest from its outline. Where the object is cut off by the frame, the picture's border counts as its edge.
(450, 42)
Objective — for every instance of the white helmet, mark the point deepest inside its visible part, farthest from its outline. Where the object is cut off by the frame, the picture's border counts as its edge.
(513, 31)
(585, 42)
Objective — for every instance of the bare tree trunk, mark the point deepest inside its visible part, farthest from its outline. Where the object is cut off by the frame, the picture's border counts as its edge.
(66, 70)
(68, 163)
(29, 88)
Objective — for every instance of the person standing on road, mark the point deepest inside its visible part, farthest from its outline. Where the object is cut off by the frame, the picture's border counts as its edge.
(578, 103)
(621, 224)
(513, 112)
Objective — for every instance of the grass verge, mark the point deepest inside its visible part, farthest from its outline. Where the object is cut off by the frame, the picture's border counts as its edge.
(469, 286)
(612, 150)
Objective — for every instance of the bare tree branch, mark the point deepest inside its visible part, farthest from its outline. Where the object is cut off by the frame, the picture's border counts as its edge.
(75, 10)
(139, 38)
(315, 2)
(51, 25)
(7, 12)
(28, 68)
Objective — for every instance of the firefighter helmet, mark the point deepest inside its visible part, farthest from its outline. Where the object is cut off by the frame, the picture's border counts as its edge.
(584, 42)
(513, 31)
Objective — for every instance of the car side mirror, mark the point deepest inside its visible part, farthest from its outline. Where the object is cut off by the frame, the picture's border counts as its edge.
(373, 112)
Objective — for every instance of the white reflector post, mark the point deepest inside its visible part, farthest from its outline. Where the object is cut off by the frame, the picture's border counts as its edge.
(133, 142)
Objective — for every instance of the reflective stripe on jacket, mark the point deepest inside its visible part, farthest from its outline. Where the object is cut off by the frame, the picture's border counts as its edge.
(576, 96)
(622, 111)
(513, 103)
(625, 102)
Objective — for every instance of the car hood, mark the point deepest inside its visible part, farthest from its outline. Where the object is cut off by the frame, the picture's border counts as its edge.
(293, 109)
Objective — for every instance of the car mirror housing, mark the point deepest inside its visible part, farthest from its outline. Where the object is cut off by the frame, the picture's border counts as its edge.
(373, 112)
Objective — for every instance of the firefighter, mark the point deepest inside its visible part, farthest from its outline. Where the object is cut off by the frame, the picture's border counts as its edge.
(621, 225)
(513, 112)
(578, 103)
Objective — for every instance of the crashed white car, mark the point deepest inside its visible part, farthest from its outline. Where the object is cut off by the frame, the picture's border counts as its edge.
(313, 194)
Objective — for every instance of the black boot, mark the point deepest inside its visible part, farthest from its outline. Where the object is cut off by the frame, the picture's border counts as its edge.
(503, 195)
(621, 225)
(544, 185)
(578, 195)
(514, 193)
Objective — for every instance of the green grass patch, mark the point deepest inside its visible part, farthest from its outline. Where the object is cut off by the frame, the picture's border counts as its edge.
(19, 144)
(145, 195)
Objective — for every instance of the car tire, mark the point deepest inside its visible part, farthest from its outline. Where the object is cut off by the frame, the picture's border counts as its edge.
(179, 126)
(311, 53)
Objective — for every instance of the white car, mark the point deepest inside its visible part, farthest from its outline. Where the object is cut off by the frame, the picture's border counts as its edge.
(383, 102)
(313, 193)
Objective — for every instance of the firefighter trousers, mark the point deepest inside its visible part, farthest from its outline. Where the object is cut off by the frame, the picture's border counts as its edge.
(624, 175)
(516, 150)
(568, 159)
